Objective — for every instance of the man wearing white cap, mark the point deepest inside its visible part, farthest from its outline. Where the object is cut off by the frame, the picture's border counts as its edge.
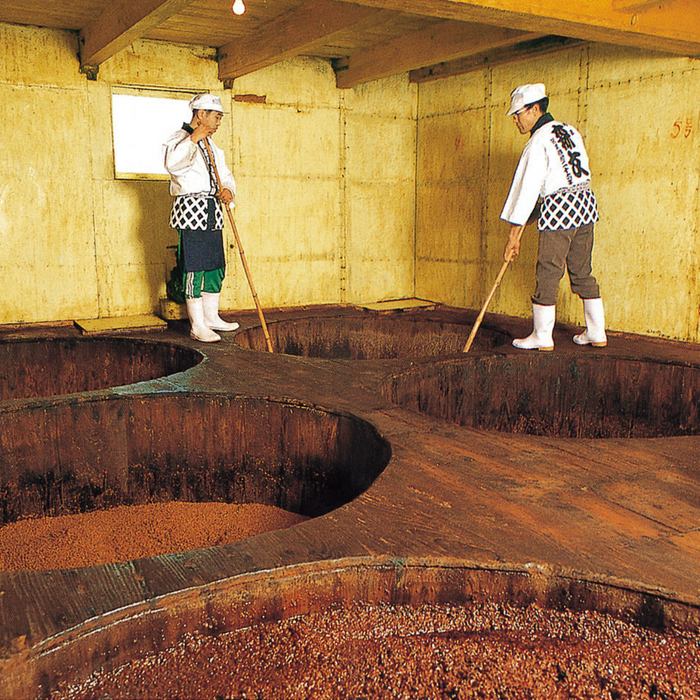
(552, 185)
(198, 216)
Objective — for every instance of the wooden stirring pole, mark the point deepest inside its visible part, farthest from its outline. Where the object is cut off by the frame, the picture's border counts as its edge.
(240, 250)
(480, 317)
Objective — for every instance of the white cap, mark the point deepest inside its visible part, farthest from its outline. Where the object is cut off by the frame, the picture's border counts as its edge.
(211, 102)
(525, 95)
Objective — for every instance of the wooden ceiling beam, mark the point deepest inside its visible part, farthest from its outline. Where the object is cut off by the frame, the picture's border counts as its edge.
(441, 42)
(518, 52)
(637, 5)
(671, 26)
(296, 32)
(120, 24)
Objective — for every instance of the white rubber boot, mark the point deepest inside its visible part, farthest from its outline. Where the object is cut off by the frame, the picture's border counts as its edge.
(211, 314)
(199, 330)
(543, 325)
(595, 325)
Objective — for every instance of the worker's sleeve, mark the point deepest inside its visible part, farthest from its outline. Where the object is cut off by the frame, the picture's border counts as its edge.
(527, 185)
(226, 176)
(180, 155)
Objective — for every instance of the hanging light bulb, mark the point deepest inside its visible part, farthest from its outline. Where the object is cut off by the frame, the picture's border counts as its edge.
(238, 8)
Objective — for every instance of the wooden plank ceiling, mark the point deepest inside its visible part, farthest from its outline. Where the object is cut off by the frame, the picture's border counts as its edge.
(368, 39)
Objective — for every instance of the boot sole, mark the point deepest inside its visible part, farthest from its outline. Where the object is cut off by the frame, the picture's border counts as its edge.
(225, 330)
(595, 345)
(548, 348)
(202, 340)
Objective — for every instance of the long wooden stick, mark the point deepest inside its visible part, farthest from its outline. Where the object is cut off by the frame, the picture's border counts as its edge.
(480, 317)
(242, 254)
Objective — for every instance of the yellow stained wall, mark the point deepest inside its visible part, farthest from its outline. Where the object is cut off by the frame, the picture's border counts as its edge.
(47, 242)
(326, 183)
(384, 191)
(639, 114)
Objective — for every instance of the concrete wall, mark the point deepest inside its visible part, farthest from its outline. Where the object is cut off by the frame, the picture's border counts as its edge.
(640, 116)
(326, 183)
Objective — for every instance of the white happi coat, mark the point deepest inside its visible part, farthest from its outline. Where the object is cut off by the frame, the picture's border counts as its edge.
(192, 181)
(554, 167)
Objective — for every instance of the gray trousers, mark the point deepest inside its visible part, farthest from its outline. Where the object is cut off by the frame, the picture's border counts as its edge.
(569, 250)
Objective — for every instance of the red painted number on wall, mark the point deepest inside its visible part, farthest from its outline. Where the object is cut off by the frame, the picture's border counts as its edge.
(682, 127)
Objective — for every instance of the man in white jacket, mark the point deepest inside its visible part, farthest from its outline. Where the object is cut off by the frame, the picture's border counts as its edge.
(552, 185)
(197, 214)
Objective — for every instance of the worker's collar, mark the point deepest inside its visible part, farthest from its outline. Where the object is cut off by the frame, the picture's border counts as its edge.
(544, 119)
(187, 128)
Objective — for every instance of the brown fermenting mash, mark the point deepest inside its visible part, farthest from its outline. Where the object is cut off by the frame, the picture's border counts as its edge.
(414, 653)
(361, 651)
(132, 532)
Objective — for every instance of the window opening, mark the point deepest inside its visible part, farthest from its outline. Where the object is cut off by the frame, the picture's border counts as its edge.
(142, 120)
